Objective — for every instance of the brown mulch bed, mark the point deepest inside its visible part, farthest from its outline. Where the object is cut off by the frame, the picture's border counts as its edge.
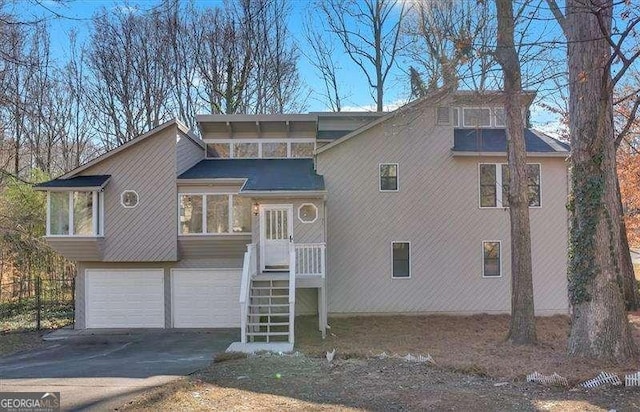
(469, 344)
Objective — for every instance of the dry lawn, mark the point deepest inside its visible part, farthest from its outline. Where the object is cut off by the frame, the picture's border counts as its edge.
(11, 342)
(475, 370)
(471, 344)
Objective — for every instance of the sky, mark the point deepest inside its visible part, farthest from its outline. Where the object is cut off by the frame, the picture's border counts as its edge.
(76, 16)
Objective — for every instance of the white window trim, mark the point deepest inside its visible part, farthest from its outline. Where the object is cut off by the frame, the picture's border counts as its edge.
(122, 199)
(499, 187)
(464, 117)
(204, 215)
(307, 204)
(482, 258)
(410, 259)
(97, 212)
(289, 141)
(397, 189)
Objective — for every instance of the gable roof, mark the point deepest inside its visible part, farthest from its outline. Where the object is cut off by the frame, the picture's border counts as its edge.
(260, 174)
(433, 97)
(181, 127)
(495, 140)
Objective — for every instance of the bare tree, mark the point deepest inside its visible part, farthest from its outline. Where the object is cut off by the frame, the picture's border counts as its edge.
(522, 329)
(451, 41)
(128, 58)
(369, 32)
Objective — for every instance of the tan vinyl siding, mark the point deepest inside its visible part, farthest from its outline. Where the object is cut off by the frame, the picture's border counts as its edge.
(302, 232)
(147, 232)
(436, 209)
(188, 153)
(213, 247)
(84, 249)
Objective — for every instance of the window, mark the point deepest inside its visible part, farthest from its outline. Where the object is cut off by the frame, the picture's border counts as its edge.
(217, 213)
(214, 214)
(494, 185)
(476, 117)
(274, 150)
(241, 214)
(73, 214)
(499, 117)
(443, 116)
(401, 257)
(389, 177)
(218, 150)
(245, 150)
(129, 198)
(307, 213)
(302, 149)
(190, 214)
(491, 260)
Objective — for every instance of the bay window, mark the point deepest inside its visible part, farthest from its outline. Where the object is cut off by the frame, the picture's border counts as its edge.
(214, 214)
(74, 213)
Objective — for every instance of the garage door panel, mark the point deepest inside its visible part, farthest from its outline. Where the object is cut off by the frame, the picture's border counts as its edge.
(127, 298)
(206, 298)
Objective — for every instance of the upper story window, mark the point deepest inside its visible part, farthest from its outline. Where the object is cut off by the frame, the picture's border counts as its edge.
(388, 177)
(74, 213)
(259, 148)
(129, 199)
(214, 214)
(494, 185)
(476, 116)
(308, 213)
(447, 116)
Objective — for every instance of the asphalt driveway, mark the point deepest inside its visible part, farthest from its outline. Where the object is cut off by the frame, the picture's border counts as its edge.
(105, 370)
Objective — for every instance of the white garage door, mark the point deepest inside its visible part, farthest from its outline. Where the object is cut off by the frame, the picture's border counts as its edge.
(124, 298)
(205, 298)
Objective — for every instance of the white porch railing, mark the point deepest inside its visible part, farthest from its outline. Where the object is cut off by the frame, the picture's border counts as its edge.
(249, 270)
(309, 259)
(292, 292)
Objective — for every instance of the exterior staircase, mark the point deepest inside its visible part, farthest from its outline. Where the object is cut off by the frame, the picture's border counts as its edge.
(269, 310)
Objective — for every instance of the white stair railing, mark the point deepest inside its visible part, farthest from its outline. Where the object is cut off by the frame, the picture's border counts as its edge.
(249, 270)
(310, 259)
(292, 292)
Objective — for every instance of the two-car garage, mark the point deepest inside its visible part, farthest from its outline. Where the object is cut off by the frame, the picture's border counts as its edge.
(139, 298)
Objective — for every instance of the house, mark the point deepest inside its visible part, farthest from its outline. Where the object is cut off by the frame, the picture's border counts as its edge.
(270, 216)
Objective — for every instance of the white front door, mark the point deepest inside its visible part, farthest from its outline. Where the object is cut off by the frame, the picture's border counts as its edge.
(276, 234)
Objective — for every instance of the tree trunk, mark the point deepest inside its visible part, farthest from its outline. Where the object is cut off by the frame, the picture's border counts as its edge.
(599, 325)
(630, 285)
(522, 329)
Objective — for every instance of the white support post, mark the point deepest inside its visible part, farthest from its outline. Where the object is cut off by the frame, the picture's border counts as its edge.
(48, 229)
(71, 228)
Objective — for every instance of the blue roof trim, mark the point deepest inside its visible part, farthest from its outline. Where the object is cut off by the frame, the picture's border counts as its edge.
(495, 140)
(78, 181)
(261, 174)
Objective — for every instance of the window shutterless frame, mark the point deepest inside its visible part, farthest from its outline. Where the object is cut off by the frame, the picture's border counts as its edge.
(499, 242)
(232, 142)
(204, 232)
(97, 215)
(499, 185)
(392, 259)
(397, 189)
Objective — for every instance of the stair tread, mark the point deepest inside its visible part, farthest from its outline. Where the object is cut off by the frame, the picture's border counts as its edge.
(269, 324)
(267, 333)
(270, 288)
(269, 305)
